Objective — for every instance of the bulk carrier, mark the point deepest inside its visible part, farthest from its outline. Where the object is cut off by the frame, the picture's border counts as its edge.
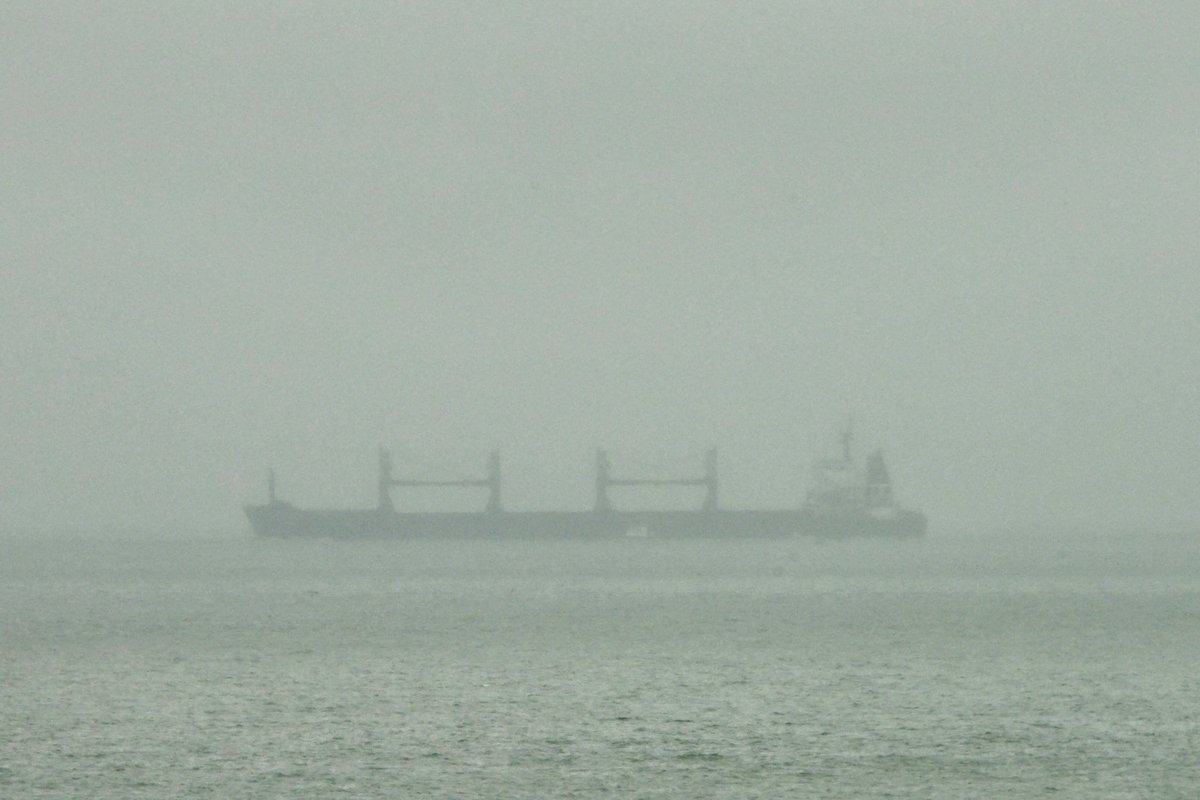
(845, 500)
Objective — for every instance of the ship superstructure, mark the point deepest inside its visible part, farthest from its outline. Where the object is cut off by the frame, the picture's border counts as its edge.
(847, 496)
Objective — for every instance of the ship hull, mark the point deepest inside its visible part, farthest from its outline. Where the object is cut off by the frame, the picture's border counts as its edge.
(282, 520)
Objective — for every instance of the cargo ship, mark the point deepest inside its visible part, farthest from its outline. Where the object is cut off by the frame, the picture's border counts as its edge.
(845, 500)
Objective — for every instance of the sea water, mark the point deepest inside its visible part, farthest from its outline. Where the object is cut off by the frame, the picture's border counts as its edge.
(949, 667)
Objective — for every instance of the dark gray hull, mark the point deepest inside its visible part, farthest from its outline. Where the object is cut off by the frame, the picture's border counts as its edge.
(285, 521)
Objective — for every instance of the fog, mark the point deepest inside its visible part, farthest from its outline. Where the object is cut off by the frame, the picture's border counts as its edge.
(238, 236)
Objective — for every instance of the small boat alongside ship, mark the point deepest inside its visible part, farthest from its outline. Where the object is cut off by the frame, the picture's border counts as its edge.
(845, 500)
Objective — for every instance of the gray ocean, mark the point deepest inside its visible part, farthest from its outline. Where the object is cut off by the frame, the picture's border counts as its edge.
(953, 667)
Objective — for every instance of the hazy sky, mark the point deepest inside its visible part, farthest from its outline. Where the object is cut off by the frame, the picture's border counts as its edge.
(284, 233)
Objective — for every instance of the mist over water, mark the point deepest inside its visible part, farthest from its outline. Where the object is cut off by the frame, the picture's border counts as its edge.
(249, 668)
(238, 236)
